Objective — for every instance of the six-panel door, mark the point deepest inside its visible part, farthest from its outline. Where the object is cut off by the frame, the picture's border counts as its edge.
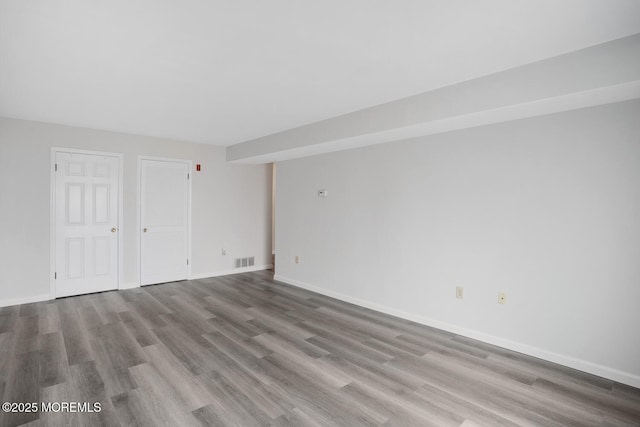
(86, 223)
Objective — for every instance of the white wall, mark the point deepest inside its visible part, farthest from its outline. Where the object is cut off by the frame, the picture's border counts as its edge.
(545, 209)
(231, 204)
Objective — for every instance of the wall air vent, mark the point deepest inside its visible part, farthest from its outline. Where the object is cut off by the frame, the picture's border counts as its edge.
(249, 261)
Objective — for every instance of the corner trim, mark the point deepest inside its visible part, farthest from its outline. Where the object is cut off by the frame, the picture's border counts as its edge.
(571, 362)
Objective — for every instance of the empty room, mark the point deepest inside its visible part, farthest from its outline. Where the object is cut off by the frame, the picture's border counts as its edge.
(329, 213)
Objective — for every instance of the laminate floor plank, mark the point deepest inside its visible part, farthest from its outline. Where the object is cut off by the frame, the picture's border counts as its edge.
(331, 339)
(557, 407)
(22, 385)
(369, 328)
(160, 397)
(261, 394)
(376, 318)
(315, 320)
(136, 327)
(540, 367)
(84, 385)
(395, 412)
(104, 308)
(245, 350)
(443, 344)
(382, 378)
(470, 412)
(243, 340)
(76, 338)
(219, 309)
(49, 319)
(114, 350)
(318, 398)
(214, 416)
(27, 337)
(244, 327)
(231, 353)
(29, 310)
(373, 367)
(8, 319)
(235, 406)
(194, 355)
(625, 411)
(280, 341)
(186, 386)
(146, 306)
(484, 365)
(54, 366)
(295, 418)
(310, 370)
(277, 322)
(507, 398)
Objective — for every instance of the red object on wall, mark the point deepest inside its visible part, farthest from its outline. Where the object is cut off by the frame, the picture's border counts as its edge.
(198, 167)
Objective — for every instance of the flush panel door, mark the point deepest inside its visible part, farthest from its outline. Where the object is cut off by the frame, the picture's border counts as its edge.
(164, 216)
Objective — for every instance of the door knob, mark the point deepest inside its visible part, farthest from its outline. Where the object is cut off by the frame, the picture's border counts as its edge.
(113, 230)
(144, 229)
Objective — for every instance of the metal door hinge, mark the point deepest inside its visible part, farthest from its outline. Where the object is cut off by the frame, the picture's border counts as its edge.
(187, 261)
(55, 276)
(188, 175)
(56, 168)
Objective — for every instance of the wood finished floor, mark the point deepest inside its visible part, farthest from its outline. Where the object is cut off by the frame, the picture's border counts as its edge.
(246, 351)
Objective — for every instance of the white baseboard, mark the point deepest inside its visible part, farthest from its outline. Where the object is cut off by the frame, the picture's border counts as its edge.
(130, 285)
(24, 300)
(571, 362)
(231, 271)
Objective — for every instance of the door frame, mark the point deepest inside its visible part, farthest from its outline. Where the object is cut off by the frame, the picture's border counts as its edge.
(52, 212)
(189, 165)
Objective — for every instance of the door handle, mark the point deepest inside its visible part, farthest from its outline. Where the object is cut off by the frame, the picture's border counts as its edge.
(144, 230)
(113, 230)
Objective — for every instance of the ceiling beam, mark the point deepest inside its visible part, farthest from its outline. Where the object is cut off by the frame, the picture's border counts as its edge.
(601, 74)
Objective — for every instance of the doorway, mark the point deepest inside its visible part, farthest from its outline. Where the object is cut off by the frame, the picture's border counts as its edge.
(86, 215)
(165, 205)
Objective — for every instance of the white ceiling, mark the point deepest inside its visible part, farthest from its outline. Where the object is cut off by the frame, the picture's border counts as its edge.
(223, 72)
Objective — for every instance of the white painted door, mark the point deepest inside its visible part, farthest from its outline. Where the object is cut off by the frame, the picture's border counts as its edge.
(86, 223)
(164, 219)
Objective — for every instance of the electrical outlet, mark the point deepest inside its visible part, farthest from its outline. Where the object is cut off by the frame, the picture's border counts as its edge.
(459, 292)
(297, 259)
(502, 298)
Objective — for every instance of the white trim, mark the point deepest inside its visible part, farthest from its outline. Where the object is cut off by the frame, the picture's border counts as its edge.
(52, 212)
(232, 271)
(572, 362)
(24, 300)
(52, 223)
(189, 164)
(130, 285)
